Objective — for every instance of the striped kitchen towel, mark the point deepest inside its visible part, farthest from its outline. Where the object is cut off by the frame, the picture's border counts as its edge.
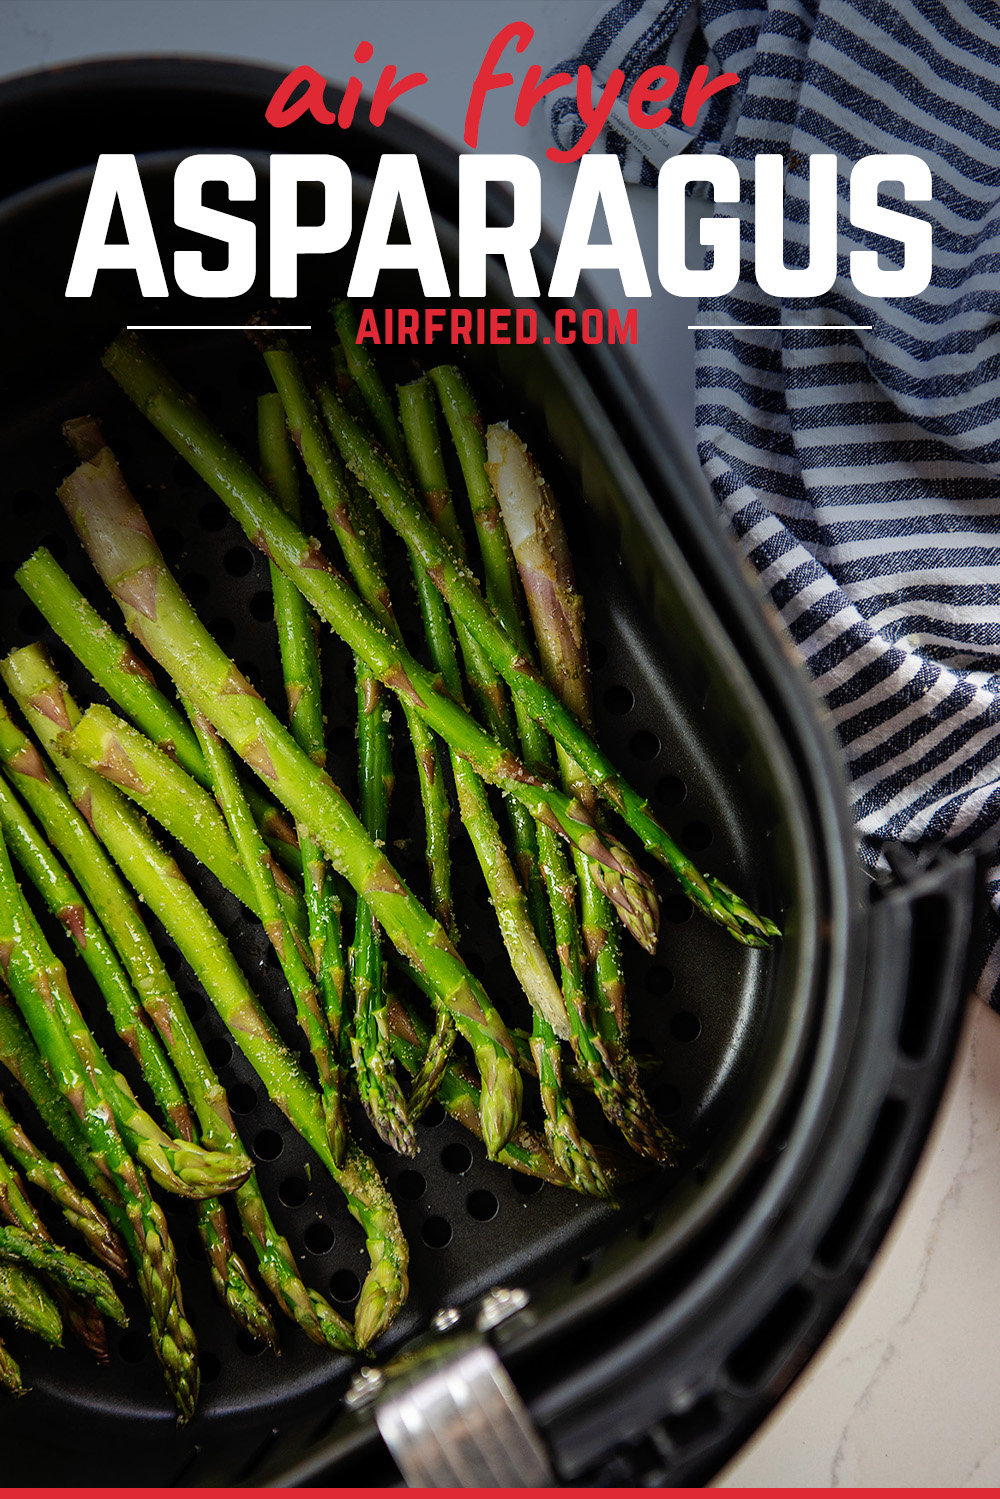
(859, 470)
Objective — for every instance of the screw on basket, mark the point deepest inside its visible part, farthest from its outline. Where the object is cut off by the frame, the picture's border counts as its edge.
(499, 1304)
(445, 1318)
(365, 1386)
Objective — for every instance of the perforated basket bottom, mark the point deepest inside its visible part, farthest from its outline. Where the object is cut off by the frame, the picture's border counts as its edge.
(470, 1224)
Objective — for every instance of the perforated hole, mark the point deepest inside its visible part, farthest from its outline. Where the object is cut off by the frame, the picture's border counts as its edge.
(248, 1346)
(293, 1191)
(456, 1158)
(238, 561)
(267, 1145)
(213, 515)
(482, 1205)
(658, 980)
(410, 1185)
(133, 1345)
(619, 700)
(436, 1232)
(697, 836)
(644, 745)
(671, 791)
(676, 909)
(685, 1026)
(345, 1286)
(318, 1238)
(219, 1051)
(242, 1098)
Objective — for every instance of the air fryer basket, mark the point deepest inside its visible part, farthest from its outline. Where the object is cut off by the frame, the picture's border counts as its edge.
(654, 1336)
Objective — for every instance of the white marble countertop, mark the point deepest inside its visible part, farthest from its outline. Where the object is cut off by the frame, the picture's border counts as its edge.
(905, 1390)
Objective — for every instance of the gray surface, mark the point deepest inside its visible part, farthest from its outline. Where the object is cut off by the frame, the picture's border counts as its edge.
(446, 39)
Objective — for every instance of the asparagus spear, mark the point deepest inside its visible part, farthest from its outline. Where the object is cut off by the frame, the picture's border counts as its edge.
(175, 416)
(298, 644)
(158, 881)
(528, 689)
(458, 1094)
(121, 545)
(128, 681)
(64, 1038)
(135, 1212)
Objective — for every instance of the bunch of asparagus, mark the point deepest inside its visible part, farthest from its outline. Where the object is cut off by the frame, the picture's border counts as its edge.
(361, 951)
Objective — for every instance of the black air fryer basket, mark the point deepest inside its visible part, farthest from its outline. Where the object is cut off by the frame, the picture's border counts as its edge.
(549, 1338)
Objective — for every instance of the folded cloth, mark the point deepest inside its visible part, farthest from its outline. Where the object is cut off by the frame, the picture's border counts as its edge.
(859, 470)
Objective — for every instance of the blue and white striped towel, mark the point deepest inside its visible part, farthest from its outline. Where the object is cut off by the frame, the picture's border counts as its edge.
(859, 470)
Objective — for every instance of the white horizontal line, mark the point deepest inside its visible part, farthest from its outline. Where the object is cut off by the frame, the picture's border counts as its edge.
(217, 327)
(789, 327)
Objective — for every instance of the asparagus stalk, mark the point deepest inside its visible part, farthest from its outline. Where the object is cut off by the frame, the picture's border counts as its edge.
(378, 1088)
(528, 688)
(298, 644)
(75, 839)
(121, 545)
(141, 1218)
(175, 416)
(159, 883)
(619, 1092)
(129, 682)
